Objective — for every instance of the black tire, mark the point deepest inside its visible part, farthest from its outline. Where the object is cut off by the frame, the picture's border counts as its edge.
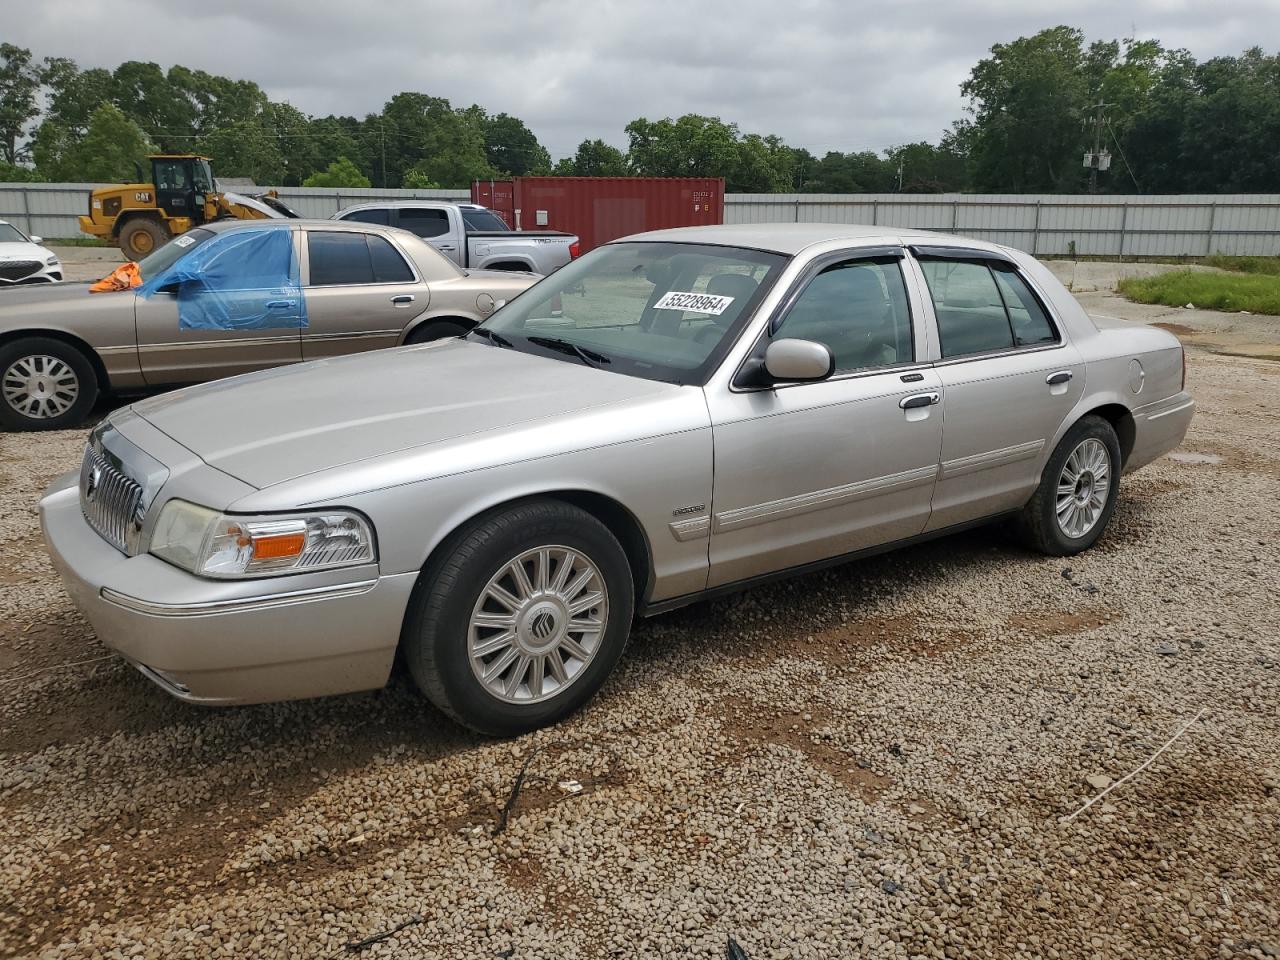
(437, 626)
(438, 330)
(1039, 526)
(21, 359)
(141, 236)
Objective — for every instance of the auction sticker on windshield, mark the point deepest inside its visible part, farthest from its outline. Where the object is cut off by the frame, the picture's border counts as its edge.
(694, 303)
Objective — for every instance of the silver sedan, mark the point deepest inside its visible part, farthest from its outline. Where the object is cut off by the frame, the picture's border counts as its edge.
(675, 415)
(351, 287)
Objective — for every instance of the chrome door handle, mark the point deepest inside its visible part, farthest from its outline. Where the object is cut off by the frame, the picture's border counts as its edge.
(1062, 376)
(403, 298)
(279, 304)
(918, 400)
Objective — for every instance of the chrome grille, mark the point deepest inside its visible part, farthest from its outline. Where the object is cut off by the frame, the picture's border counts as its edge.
(110, 500)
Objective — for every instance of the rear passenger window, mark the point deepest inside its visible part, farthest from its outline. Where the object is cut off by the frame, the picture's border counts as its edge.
(380, 215)
(970, 310)
(349, 258)
(338, 258)
(425, 223)
(388, 265)
(1026, 316)
(858, 308)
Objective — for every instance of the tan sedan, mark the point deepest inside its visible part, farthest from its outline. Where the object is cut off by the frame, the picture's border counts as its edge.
(231, 298)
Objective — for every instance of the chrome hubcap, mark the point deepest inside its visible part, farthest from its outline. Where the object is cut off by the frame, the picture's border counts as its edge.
(1083, 488)
(40, 387)
(537, 624)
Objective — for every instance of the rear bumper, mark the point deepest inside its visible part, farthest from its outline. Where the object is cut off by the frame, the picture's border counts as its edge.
(1158, 428)
(220, 642)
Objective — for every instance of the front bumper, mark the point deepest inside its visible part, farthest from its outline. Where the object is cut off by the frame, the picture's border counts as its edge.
(225, 642)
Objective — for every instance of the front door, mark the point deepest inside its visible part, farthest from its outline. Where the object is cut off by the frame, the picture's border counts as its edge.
(361, 293)
(260, 327)
(1009, 378)
(806, 472)
(175, 188)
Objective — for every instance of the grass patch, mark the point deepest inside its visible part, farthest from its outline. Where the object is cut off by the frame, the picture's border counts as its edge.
(1268, 265)
(1232, 292)
(76, 242)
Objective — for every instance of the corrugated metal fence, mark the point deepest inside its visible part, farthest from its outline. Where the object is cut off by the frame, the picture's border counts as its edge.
(1043, 224)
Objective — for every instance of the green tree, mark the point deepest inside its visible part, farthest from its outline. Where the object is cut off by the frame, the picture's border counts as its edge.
(341, 173)
(19, 86)
(417, 180)
(926, 168)
(1028, 99)
(245, 148)
(107, 152)
(594, 158)
(427, 134)
(691, 146)
(511, 148)
(864, 172)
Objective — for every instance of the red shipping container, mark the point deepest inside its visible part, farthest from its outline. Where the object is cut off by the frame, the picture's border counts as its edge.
(600, 209)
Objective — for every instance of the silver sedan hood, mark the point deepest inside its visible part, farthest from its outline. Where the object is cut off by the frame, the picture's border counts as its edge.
(277, 425)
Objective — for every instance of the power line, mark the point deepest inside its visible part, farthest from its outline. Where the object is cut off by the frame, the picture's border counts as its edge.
(1115, 139)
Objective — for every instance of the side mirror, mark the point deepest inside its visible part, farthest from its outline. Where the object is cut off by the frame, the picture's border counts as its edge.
(798, 361)
(35, 239)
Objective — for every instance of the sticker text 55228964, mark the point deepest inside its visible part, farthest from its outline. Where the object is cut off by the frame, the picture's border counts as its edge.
(694, 303)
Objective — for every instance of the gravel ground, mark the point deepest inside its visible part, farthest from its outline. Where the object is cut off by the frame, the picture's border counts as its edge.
(869, 762)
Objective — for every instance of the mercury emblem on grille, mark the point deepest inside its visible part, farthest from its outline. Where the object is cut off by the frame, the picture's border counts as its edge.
(92, 482)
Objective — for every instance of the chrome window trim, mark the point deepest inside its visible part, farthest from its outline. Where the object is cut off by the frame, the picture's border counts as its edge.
(237, 604)
(997, 354)
(306, 232)
(919, 341)
(971, 255)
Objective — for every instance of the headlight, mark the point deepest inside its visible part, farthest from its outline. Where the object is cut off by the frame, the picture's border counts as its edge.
(51, 262)
(212, 544)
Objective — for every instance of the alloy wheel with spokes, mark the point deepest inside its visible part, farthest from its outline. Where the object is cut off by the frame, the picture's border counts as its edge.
(1083, 488)
(521, 616)
(537, 624)
(40, 386)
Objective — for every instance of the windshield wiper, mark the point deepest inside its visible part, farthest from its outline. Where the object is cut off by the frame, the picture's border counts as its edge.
(586, 355)
(492, 337)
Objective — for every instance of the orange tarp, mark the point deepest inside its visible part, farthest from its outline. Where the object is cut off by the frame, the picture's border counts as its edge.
(123, 277)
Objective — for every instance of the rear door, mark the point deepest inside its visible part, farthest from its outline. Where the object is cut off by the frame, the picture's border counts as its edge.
(437, 226)
(1009, 378)
(361, 292)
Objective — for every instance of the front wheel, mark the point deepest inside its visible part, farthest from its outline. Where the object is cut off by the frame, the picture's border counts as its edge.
(1077, 492)
(45, 384)
(521, 619)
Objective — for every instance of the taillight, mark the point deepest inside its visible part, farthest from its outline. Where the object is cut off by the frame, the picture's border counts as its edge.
(574, 250)
(1184, 369)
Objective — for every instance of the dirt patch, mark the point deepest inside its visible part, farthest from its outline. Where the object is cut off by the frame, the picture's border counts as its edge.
(810, 737)
(1055, 623)
(1178, 329)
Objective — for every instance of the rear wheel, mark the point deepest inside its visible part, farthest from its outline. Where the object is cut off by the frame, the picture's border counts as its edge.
(437, 330)
(522, 619)
(1077, 492)
(140, 237)
(45, 384)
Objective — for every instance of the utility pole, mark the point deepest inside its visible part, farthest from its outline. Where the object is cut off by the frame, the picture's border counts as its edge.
(1097, 159)
(382, 128)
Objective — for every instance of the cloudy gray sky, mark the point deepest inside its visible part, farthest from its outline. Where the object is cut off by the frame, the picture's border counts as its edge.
(824, 74)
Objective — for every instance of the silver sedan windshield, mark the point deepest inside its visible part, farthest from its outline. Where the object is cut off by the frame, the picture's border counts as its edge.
(663, 311)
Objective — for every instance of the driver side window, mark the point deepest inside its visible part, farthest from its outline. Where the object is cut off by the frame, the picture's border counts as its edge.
(858, 308)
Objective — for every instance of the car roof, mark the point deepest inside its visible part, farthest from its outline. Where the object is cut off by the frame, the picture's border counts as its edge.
(791, 238)
(286, 223)
(411, 202)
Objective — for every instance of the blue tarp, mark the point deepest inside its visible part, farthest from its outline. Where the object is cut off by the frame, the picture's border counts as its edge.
(240, 280)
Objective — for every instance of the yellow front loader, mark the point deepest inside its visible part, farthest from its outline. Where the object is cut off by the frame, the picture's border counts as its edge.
(140, 217)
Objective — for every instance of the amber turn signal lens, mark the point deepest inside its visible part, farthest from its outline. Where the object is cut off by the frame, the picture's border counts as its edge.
(278, 546)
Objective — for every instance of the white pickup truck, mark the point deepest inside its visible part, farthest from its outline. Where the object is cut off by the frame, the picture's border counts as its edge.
(471, 236)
